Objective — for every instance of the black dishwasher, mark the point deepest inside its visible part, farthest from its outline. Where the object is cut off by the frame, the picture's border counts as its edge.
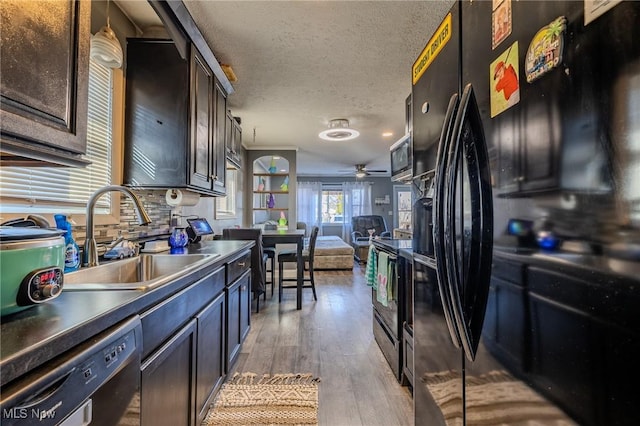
(94, 383)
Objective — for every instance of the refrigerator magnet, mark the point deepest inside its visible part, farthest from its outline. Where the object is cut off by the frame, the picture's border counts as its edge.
(504, 82)
(500, 22)
(545, 50)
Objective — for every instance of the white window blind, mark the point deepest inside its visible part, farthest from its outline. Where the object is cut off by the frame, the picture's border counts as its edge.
(61, 189)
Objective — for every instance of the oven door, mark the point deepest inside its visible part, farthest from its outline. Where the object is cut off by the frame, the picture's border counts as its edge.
(389, 313)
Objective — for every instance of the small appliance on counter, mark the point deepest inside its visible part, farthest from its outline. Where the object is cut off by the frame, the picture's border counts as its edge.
(197, 228)
(36, 273)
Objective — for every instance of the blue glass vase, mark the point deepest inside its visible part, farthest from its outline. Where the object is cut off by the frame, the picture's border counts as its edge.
(178, 238)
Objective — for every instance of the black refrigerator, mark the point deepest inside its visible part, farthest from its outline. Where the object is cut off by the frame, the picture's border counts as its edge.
(526, 132)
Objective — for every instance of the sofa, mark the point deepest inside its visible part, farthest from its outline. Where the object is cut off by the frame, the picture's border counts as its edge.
(332, 253)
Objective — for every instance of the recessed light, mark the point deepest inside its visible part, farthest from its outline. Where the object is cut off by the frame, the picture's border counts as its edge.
(387, 134)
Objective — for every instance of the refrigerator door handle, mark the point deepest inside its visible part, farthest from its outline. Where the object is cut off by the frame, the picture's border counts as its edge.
(472, 276)
(438, 226)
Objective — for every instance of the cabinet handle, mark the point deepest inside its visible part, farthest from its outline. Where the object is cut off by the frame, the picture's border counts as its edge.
(241, 264)
(244, 288)
(214, 177)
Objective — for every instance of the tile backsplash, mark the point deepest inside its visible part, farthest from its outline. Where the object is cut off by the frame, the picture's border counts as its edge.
(154, 203)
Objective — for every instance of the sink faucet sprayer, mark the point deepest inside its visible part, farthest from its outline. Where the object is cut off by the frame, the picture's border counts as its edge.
(90, 255)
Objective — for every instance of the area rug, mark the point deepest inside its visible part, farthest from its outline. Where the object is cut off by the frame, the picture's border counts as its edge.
(495, 398)
(279, 399)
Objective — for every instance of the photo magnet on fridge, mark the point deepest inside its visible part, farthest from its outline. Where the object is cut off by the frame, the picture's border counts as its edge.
(504, 81)
(545, 50)
(500, 21)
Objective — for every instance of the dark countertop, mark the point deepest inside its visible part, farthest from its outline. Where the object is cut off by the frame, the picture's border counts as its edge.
(596, 268)
(393, 245)
(34, 336)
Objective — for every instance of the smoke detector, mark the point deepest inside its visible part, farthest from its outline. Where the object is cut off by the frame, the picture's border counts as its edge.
(339, 131)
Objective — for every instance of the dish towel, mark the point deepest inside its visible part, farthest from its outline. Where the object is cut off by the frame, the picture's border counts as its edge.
(383, 278)
(371, 272)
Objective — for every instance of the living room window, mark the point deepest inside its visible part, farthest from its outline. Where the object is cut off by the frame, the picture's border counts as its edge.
(332, 205)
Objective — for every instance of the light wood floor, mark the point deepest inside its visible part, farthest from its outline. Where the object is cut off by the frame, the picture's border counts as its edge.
(332, 339)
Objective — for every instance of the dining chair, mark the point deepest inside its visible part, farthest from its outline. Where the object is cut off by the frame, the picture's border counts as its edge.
(258, 259)
(291, 256)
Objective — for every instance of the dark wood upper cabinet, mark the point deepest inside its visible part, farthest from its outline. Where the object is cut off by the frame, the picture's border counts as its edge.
(45, 76)
(234, 140)
(171, 126)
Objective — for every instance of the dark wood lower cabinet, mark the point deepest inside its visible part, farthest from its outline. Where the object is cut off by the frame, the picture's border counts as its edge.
(504, 327)
(238, 315)
(210, 354)
(167, 387)
(563, 356)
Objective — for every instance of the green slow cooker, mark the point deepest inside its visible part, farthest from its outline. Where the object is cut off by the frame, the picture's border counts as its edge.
(31, 267)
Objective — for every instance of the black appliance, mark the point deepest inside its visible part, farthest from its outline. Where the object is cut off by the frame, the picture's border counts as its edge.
(197, 228)
(560, 135)
(94, 383)
(388, 320)
(402, 159)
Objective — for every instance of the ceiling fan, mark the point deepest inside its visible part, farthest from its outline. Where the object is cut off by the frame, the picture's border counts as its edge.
(362, 171)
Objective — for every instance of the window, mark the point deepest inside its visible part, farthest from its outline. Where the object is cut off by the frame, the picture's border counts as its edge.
(226, 206)
(332, 206)
(66, 190)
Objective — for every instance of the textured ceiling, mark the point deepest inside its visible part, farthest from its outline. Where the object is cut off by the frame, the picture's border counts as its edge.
(302, 63)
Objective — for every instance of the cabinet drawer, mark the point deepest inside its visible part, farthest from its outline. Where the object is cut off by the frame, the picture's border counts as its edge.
(509, 271)
(163, 320)
(237, 267)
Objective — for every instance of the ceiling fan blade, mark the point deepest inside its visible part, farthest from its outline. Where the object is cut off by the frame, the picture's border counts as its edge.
(375, 171)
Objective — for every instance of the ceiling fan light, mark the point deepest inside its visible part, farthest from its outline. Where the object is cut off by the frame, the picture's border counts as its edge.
(339, 131)
(361, 174)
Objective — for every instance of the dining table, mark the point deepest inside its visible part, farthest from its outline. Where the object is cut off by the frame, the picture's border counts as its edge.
(289, 236)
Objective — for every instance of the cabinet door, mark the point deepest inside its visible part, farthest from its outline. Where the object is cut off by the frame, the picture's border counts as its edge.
(202, 172)
(233, 335)
(238, 316)
(562, 361)
(167, 389)
(210, 353)
(228, 136)
(45, 77)
(237, 143)
(245, 306)
(156, 127)
(219, 143)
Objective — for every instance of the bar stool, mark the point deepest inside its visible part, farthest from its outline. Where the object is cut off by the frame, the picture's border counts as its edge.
(292, 256)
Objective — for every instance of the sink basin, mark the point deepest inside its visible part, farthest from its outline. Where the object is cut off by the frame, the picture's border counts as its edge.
(139, 273)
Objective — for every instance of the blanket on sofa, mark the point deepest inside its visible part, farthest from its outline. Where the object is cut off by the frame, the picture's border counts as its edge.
(333, 253)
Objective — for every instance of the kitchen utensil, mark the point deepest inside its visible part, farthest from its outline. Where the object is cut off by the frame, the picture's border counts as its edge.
(32, 264)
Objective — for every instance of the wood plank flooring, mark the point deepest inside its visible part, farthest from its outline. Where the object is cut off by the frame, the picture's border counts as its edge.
(332, 339)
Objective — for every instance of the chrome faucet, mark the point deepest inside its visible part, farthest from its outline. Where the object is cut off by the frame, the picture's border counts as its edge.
(90, 255)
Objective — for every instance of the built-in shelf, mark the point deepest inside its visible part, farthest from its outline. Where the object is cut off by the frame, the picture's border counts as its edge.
(270, 192)
(271, 174)
(274, 209)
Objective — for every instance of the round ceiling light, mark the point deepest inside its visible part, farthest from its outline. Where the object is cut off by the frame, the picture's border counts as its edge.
(339, 131)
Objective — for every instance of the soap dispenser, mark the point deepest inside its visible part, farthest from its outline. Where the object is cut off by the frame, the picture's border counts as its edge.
(72, 252)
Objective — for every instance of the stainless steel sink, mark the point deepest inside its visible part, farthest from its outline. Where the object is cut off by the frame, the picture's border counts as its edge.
(144, 272)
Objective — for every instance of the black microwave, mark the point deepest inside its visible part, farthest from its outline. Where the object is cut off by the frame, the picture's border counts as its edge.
(402, 159)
